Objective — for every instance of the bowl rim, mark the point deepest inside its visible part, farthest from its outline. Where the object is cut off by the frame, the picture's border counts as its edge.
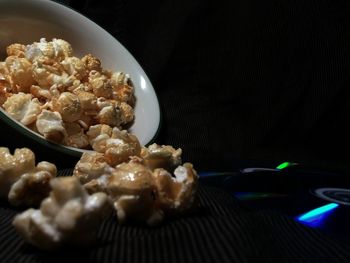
(38, 137)
(76, 152)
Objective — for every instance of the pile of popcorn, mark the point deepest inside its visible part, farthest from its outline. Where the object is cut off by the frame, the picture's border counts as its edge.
(75, 102)
(143, 185)
(60, 96)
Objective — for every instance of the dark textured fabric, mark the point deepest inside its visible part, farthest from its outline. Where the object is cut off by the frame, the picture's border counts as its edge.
(219, 230)
(240, 82)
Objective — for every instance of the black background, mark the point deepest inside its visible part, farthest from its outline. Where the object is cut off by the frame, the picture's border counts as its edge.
(239, 82)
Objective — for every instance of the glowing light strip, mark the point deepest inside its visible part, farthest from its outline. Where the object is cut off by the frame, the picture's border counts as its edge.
(284, 165)
(316, 216)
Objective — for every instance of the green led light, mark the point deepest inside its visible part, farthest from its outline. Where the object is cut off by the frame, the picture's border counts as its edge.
(284, 165)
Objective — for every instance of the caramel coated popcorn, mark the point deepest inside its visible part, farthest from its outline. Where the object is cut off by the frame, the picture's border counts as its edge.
(60, 96)
(21, 181)
(76, 102)
(68, 216)
(144, 184)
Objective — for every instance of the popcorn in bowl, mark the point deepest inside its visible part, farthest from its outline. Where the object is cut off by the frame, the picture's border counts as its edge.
(60, 96)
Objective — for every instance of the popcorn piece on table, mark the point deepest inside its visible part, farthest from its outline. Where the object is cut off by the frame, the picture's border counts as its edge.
(161, 156)
(32, 187)
(176, 194)
(117, 145)
(69, 216)
(91, 166)
(131, 188)
(137, 192)
(20, 180)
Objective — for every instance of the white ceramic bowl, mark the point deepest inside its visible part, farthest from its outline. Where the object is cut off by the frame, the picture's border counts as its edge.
(26, 21)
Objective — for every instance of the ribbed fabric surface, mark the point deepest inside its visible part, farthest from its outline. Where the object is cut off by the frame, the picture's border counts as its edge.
(243, 79)
(219, 230)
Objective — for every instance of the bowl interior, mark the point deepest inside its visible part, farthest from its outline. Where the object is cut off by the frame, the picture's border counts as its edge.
(24, 22)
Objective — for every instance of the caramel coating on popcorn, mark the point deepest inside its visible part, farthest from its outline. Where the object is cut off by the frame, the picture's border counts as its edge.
(123, 88)
(75, 67)
(20, 73)
(91, 166)
(88, 102)
(91, 63)
(68, 106)
(4, 94)
(45, 77)
(57, 49)
(23, 107)
(117, 145)
(132, 189)
(127, 112)
(176, 193)
(141, 189)
(16, 49)
(161, 156)
(50, 125)
(100, 84)
(68, 216)
(76, 136)
(109, 115)
(32, 187)
(21, 181)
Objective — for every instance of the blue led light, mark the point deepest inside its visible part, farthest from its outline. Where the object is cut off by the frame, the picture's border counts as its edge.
(315, 217)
